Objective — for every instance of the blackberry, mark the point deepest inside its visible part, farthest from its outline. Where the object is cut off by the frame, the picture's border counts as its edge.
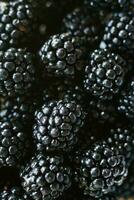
(57, 124)
(13, 193)
(83, 24)
(126, 100)
(17, 72)
(19, 108)
(104, 75)
(16, 19)
(14, 143)
(100, 169)
(123, 139)
(119, 31)
(46, 177)
(62, 55)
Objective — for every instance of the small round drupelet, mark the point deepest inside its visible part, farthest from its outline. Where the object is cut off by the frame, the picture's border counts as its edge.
(119, 32)
(62, 55)
(17, 72)
(84, 24)
(13, 193)
(126, 100)
(100, 169)
(104, 75)
(46, 177)
(16, 22)
(57, 124)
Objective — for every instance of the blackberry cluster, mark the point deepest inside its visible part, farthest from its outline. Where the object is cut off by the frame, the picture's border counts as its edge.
(16, 22)
(100, 169)
(57, 124)
(62, 55)
(14, 143)
(66, 99)
(46, 177)
(17, 72)
(119, 32)
(104, 75)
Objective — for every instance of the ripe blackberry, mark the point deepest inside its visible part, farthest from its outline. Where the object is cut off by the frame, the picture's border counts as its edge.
(100, 169)
(57, 124)
(14, 143)
(104, 75)
(13, 193)
(17, 72)
(119, 32)
(126, 100)
(16, 25)
(62, 55)
(83, 24)
(123, 139)
(46, 177)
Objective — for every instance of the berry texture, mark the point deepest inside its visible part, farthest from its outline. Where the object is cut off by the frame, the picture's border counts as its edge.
(127, 189)
(14, 143)
(62, 55)
(123, 139)
(104, 75)
(119, 32)
(83, 24)
(100, 169)
(18, 109)
(126, 100)
(17, 72)
(46, 177)
(13, 193)
(57, 124)
(109, 4)
(15, 22)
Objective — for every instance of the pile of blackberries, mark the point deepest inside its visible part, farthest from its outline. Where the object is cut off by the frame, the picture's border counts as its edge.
(66, 99)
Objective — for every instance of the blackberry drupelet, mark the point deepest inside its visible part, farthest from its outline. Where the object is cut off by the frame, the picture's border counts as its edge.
(85, 25)
(119, 32)
(62, 55)
(104, 75)
(13, 193)
(57, 124)
(14, 143)
(17, 72)
(123, 139)
(16, 22)
(126, 100)
(46, 177)
(100, 169)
